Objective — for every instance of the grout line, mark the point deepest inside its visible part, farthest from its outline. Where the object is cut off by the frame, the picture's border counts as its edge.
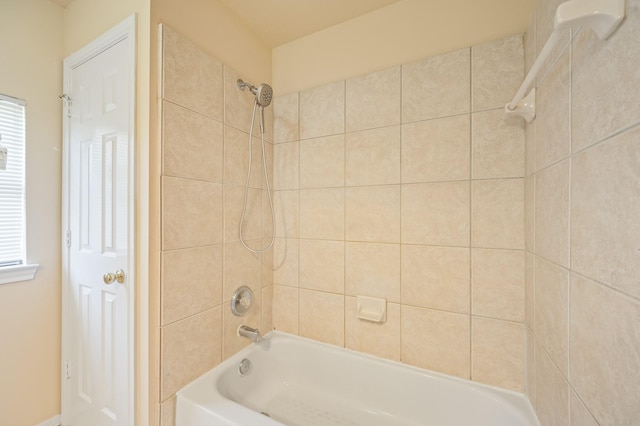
(569, 213)
(470, 186)
(400, 333)
(344, 222)
(299, 211)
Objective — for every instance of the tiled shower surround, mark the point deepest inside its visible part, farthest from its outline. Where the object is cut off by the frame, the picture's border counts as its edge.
(582, 191)
(408, 184)
(204, 126)
(507, 253)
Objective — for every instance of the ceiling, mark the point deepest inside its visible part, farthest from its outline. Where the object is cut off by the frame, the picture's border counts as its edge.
(278, 22)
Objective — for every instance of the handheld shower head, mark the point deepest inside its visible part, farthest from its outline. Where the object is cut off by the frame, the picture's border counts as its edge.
(263, 93)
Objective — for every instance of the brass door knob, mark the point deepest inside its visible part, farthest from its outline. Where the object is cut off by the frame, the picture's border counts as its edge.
(110, 277)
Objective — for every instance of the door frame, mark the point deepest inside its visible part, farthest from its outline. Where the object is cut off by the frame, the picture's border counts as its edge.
(124, 31)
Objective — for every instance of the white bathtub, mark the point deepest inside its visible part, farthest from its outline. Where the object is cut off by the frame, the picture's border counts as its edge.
(300, 382)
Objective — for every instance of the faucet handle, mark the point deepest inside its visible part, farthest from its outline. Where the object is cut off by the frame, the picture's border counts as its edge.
(241, 301)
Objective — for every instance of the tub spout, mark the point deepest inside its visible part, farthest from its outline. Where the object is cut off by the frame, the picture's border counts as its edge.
(252, 334)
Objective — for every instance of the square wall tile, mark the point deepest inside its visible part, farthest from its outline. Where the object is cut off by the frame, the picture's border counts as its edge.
(285, 309)
(238, 104)
(605, 351)
(497, 69)
(268, 219)
(529, 213)
(191, 281)
(606, 81)
(530, 368)
(322, 162)
(545, 14)
(192, 144)
(322, 265)
(266, 267)
(233, 197)
(436, 214)
(551, 316)
(266, 324)
(498, 353)
(498, 213)
(530, 148)
(373, 270)
(436, 277)
(236, 158)
(437, 87)
(322, 317)
(497, 145)
(322, 213)
(285, 262)
(552, 197)
(322, 110)
(268, 125)
(189, 348)
(287, 208)
(580, 415)
(231, 342)
(497, 278)
(373, 213)
(529, 288)
(191, 77)
(530, 52)
(379, 339)
(168, 412)
(286, 160)
(241, 267)
(373, 157)
(436, 340)
(605, 207)
(191, 213)
(285, 118)
(552, 391)
(553, 114)
(373, 100)
(436, 150)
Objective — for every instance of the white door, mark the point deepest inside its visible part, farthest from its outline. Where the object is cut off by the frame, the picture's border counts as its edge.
(98, 270)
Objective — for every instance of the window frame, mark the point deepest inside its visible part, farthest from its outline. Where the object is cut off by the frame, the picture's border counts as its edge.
(23, 271)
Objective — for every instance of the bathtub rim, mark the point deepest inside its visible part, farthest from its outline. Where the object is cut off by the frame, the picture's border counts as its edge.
(518, 400)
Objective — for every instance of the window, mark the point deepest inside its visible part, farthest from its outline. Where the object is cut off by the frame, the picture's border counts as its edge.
(13, 265)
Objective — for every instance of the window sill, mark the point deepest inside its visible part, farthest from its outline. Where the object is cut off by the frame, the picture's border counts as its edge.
(14, 274)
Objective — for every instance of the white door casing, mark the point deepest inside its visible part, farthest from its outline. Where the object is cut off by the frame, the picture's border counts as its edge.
(98, 219)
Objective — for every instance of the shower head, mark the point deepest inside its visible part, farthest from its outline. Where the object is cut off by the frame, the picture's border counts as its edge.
(263, 93)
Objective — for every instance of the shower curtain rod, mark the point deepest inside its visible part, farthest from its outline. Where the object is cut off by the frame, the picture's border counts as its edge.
(602, 16)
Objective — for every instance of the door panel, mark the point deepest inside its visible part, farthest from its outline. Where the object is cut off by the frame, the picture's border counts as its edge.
(98, 354)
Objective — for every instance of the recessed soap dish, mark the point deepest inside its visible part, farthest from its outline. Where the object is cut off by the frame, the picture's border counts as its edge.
(372, 309)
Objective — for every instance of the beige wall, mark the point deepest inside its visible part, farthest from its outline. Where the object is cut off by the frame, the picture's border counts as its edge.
(205, 120)
(399, 33)
(31, 50)
(407, 184)
(583, 204)
(216, 30)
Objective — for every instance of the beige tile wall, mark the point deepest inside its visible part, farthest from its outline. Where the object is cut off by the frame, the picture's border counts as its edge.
(507, 255)
(408, 184)
(204, 130)
(582, 196)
